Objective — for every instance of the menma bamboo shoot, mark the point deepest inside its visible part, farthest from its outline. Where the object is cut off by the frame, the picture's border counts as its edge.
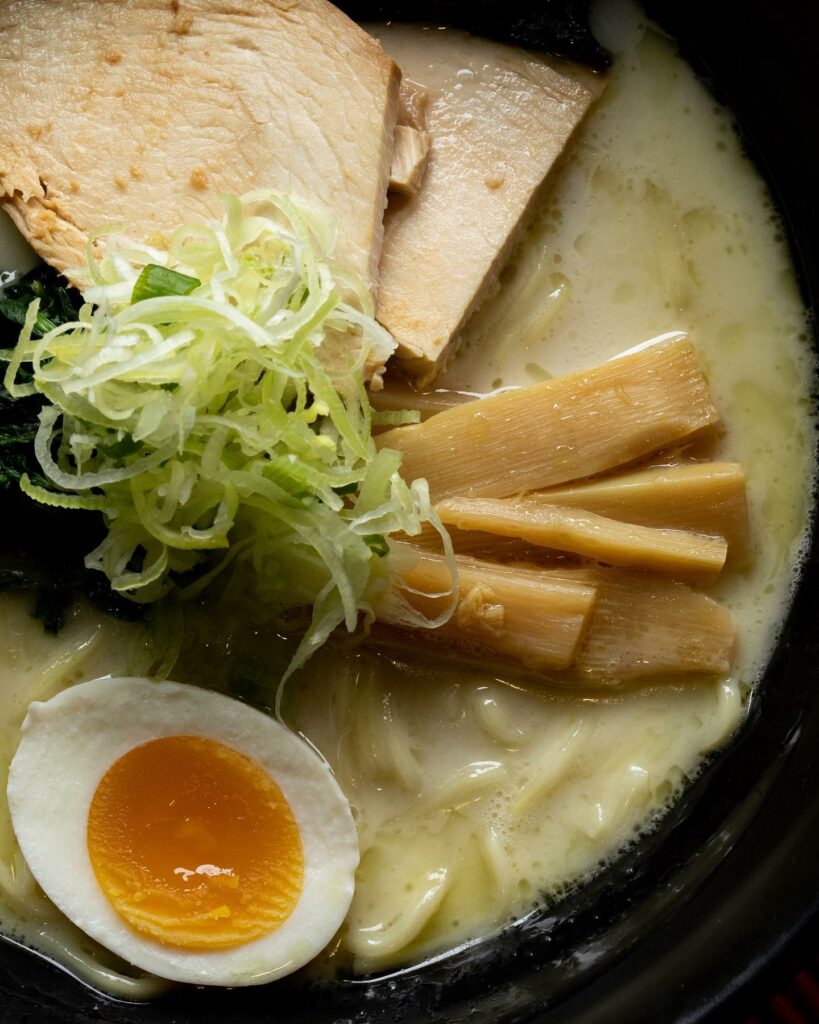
(679, 552)
(397, 395)
(705, 497)
(647, 625)
(491, 547)
(527, 615)
(560, 430)
(642, 625)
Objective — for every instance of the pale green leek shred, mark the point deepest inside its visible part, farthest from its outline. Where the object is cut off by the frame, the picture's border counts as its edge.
(229, 428)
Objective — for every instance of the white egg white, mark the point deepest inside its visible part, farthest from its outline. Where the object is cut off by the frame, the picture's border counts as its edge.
(70, 741)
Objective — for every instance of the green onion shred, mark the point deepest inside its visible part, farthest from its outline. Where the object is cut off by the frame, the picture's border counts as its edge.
(210, 401)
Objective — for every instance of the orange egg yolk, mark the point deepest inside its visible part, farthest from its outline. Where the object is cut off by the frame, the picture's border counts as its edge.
(194, 844)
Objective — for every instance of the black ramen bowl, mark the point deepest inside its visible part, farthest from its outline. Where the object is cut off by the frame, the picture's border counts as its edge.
(690, 923)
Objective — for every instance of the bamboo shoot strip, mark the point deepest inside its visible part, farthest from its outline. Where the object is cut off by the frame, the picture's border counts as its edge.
(646, 625)
(491, 547)
(397, 395)
(706, 497)
(537, 619)
(585, 533)
(561, 430)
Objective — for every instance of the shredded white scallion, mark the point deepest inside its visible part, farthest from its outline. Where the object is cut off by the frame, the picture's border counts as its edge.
(229, 425)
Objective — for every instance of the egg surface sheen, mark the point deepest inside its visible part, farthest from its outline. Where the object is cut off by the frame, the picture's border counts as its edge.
(188, 833)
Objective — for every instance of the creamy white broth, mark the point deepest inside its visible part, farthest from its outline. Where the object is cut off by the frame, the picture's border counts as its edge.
(478, 797)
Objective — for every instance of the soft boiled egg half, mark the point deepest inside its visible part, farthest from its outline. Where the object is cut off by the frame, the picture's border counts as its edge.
(189, 833)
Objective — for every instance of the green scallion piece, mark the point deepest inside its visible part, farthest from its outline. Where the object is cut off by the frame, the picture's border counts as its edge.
(121, 449)
(155, 281)
(346, 489)
(377, 544)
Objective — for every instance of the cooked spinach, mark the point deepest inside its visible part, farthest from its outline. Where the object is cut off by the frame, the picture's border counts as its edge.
(18, 426)
(59, 302)
(43, 549)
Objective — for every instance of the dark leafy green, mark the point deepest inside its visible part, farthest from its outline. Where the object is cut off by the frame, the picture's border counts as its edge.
(51, 604)
(98, 591)
(59, 303)
(42, 549)
(18, 427)
(19, 417)
(53, 593)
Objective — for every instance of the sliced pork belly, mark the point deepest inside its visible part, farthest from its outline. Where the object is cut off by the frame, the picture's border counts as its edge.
(143, 112)
(498, 119)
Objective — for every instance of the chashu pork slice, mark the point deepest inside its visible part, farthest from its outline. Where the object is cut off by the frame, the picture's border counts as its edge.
(498, 118)
(141, 113)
